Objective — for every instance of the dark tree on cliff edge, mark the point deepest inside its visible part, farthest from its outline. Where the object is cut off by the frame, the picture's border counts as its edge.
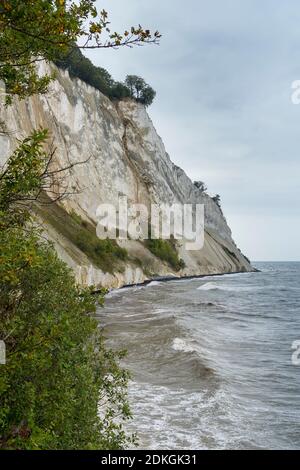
(140, 90)
(217, 199)
(201, 186)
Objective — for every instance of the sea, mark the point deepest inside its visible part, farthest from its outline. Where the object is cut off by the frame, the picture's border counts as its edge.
(214, 360)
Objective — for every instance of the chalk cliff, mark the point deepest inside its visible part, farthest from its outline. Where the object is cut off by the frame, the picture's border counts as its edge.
(125, 156)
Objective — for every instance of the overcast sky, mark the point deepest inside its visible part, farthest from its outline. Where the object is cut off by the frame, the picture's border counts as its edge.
(223, 76)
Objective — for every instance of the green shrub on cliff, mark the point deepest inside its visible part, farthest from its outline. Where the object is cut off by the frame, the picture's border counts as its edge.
(105, 254)
(58, 372)
(81, 67)
(166, 251)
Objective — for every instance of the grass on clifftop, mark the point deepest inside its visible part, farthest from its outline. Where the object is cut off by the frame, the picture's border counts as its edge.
(105, 254)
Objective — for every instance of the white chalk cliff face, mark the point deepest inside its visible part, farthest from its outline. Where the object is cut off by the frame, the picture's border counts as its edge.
(126, 157)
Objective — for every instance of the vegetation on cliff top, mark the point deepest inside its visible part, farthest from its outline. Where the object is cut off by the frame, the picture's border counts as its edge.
(81, 67)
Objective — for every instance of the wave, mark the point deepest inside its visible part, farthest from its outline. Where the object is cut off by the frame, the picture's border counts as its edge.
(224, 287)
(196, 422)
(180, 344)
(154, 283)
(197, 357)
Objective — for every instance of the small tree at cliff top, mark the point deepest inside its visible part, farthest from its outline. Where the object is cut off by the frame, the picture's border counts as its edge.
(139, 90)
(217, 199)
(201, 186)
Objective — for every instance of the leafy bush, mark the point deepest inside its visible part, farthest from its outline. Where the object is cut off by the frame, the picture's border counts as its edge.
(60, 387)
(56, 376)
(166, 251)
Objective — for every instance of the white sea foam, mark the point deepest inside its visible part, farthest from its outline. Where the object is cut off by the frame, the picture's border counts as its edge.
(183, 419)
(180, 344)
(153, 283)
(226, 287)
(208, 286)
(123, 290)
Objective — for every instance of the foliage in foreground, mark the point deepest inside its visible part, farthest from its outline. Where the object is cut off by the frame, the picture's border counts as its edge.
(60, 388)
